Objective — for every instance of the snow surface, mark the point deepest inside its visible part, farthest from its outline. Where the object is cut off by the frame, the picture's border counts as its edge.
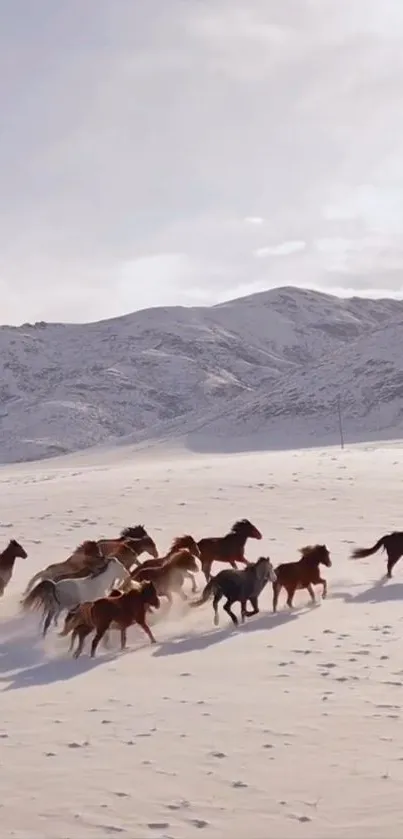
(287, 727)
(262, 371)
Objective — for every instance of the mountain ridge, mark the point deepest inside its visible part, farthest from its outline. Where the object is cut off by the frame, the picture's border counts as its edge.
(167, 370)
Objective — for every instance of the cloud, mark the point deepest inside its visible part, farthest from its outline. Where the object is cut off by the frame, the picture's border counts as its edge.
(149, 151)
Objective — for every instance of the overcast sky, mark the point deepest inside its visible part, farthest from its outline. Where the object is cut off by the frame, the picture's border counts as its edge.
(156, 152)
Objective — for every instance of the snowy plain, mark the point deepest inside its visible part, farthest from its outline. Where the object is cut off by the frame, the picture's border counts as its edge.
(286, 727)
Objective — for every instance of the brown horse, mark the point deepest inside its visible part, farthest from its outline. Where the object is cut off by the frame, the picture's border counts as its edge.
(169, 577)
(302, 574)
(129, 585)
(178, 544)
(12, 552)
(229, 548)
(136, 534)
(86, 558)
(119, 610)
(392, 543)
(91, 557)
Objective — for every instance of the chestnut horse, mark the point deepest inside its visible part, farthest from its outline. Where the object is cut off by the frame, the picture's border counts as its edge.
(120, 610)
(169, 577)
(12, 552)
(392, 543)
(178, 544)
(302, 574)
(229, 548)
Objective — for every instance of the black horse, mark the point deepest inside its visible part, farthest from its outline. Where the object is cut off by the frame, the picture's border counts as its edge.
(392, 543)
(238, 587)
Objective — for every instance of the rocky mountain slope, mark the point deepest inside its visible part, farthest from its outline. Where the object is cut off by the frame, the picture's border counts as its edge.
(214, 372)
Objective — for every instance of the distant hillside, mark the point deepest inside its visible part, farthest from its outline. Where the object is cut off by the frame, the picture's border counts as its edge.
(230, 369)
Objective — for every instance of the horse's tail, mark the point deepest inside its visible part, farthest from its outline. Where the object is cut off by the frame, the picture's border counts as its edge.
(208, 592)
(42, 596)
(32, 582)
(360, 553)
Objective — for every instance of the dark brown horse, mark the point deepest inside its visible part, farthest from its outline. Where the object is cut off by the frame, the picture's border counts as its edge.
(229, 548)
(138, 534)
(12, 552)
(302, 574)
(392, 543)
(121, 611)
(178, 544)
(169, 577)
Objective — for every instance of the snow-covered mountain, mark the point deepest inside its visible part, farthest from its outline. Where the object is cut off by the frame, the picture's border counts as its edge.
(269, 361)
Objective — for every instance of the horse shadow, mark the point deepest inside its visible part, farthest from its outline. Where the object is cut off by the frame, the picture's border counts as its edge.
(382, 591)
(53, 670)
(189, 643)
(15, 655)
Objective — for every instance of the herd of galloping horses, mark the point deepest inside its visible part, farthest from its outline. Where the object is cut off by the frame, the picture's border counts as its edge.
(103, 584)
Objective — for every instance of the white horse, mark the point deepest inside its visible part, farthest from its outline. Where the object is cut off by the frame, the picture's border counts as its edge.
(53, 597)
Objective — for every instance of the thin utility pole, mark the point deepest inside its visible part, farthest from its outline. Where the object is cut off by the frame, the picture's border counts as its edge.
(340, 422)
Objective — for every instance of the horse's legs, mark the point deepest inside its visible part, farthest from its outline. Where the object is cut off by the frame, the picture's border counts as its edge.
(227, 608)
(276, 591)
(206, 568)
(147, 630)
(189, 576)
(47, 622)
(217, 598)
(311, 593)
(243, 610)
(123, 637)
(72, 639)
(290, 592)
(182, 595)
(253, 601)
(324, 587)
(392, 560)
(98, 635)
(82, 632)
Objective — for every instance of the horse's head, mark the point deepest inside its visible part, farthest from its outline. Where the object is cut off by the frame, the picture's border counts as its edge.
(17, 549)
(187, 542)
(317, 554)
(185, 560)
(136, 532)
(149, 594)
(324, 555)
(265, 570)
(149, 546)
(245, 528)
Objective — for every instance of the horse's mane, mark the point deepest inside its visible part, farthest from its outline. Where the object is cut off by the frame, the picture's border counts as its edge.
(89, 548)
(136, 532)
(239, 524)
(311, 550)
(180, 542)
(179, 558)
